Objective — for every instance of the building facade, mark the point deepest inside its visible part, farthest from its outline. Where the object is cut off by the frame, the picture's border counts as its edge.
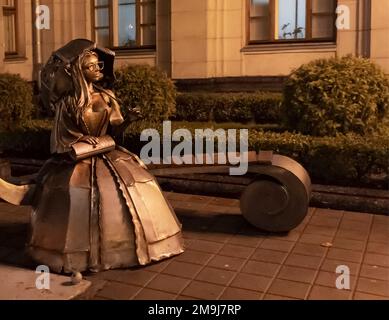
(197, 39)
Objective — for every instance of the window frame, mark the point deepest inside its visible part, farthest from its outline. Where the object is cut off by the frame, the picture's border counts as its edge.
(272, 16)
(110, 19)
(113, 21)
(12, 10)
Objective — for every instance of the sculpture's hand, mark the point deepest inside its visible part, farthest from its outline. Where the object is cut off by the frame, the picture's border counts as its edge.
(134, 114)
(89, 139)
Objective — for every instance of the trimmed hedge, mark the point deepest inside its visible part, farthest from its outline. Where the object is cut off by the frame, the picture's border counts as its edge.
(30, 141)
(348, 160)
(260, 107)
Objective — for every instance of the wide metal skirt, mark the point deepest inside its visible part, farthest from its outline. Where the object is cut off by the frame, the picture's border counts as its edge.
(101, 213)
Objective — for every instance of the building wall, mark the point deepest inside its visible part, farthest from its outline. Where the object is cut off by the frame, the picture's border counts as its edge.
(22, 64)
(380, 33)
(70, 19)
(164, 48)
(203, 39)
(209, 40)
(189, 38)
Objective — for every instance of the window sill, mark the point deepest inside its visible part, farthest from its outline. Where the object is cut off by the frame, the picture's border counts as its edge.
(289, 47)
(134, 52)
(14, 58)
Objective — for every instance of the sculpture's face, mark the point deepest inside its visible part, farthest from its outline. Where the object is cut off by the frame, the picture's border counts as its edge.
(92, 68)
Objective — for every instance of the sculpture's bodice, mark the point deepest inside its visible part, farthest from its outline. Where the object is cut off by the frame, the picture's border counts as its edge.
(96, 116)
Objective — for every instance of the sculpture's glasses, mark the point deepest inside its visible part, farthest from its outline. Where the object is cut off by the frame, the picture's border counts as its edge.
(95, 66)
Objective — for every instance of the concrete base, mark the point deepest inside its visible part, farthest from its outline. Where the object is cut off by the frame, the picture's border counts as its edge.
(19, 284)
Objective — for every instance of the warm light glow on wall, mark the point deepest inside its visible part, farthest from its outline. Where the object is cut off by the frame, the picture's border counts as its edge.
(276, 19)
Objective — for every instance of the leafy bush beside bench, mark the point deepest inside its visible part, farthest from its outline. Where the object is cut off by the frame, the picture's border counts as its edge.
(348, 160)
(260, 107)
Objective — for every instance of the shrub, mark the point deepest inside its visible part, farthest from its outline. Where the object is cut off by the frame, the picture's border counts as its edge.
(16, 105)
(337, 95)
(148, 88)
(260, 107)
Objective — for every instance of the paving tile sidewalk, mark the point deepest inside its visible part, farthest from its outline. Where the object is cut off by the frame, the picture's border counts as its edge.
(226, 258)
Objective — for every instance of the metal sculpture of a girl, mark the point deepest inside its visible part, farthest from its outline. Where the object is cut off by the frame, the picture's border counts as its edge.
(95, 205)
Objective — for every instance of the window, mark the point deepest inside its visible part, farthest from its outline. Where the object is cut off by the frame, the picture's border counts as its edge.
(291, 20)
(125, 23)
(10, 27)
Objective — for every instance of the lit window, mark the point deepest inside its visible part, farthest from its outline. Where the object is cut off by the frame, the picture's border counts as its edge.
(291, 20)
(125, 23)
(291, 17)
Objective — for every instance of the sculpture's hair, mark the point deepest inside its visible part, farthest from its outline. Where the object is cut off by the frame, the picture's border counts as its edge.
(82, 94)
